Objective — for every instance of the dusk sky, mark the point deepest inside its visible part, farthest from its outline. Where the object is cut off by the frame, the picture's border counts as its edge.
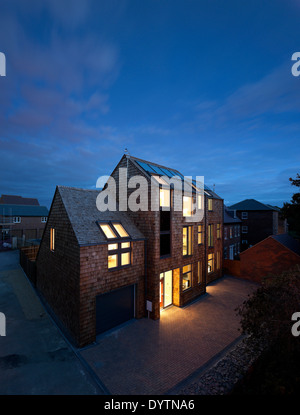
(204, 87)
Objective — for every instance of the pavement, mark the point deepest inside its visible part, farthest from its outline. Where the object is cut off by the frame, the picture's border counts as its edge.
(141, 357)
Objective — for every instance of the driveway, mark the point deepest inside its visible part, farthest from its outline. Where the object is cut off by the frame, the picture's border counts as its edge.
(35, 359)
(141, 357)
(154, 357)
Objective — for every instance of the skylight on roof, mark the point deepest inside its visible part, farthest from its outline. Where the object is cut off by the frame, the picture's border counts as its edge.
(108, 232)
(113, 230)
(120, 229)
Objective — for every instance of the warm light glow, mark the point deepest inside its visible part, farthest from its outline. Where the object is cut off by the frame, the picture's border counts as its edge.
(164, 197)
(125, 245)
(112, 261)
(187, 206)
(107, 230)
(111, 247)
(186, 277)
(121, 231)
(125, 258)
(52, 239)
(210, 204)
(210, 263)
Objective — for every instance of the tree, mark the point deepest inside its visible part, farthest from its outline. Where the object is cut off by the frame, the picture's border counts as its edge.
(291, 211)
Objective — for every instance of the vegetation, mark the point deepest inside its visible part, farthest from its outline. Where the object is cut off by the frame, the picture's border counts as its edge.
(267, 317)
(291, 211)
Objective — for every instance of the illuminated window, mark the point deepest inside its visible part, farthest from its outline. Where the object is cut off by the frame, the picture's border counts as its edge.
(218, 231)
(200, 234)
(164, 197)
(187, 240)
(112, 261)
(52, 239)
(210, 235)
(119, 255)
(210, 204)
(121, 231)
(109, 233)
(186, 277)
(210, 263)
(200, 201)
(187, 206)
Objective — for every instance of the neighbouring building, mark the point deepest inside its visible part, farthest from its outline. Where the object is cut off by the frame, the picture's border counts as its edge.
(232, 234)
(259, 221)
(271, 256)
(21, 217)
(98, 269)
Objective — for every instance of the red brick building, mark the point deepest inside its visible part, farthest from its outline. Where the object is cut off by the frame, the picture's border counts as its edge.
(232, 234)
(273, 255)
(21, 217)
(259, 221)
(169, 258)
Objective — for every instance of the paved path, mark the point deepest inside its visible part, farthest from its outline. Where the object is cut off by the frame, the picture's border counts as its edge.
(35, 359)
(153, 357)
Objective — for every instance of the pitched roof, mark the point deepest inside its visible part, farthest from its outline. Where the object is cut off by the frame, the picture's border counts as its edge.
(154, 168)
(229, 217)
(23, 210)
(251, 204)
(17, 200)
(83, 214)
(289, 242)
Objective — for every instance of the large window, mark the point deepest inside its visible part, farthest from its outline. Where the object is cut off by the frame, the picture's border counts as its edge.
(119, 255)
(52, 239)
(210, 204)
(187, 206)
(200, 234)
(187, 277)
(210, 263)
(211, 235)
(187, 240)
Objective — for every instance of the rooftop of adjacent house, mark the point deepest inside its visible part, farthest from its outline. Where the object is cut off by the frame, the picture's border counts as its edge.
(252, 204)
(80, 205)
(23, 210)
(288, 242)
(158, 169)
(229, 216)
(18, 200)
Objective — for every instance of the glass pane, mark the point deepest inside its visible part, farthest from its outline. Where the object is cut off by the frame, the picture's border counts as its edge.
(187, 206)
(107, 230)
(190, 244)
(121, 231)
(112, 261)
(125, 258)
(187, 268)
(125, 245)
(164, 197)
(184, 241)
(112, 246)
(168, 288)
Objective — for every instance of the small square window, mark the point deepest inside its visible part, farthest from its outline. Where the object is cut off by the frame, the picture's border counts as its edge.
(125, 258)
(244, 215)
(112, 261)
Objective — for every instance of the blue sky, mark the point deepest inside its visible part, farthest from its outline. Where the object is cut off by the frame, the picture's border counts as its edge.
(204, 87)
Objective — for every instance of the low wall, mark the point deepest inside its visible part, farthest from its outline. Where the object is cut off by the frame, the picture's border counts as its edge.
(232, 267)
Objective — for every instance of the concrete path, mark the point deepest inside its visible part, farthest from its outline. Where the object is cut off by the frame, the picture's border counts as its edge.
(35, 359)
(147, 357)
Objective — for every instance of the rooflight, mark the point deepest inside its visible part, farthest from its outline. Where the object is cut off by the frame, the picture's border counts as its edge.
(109, 233)
(121, 231)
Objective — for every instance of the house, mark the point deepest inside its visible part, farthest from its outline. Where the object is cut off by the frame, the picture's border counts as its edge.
(90, 265)
(232, 234)
(97, 269)
(21, 217)
(259, 221)
(271, 256)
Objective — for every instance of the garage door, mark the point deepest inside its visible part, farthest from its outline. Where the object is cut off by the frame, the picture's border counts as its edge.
(114, 308)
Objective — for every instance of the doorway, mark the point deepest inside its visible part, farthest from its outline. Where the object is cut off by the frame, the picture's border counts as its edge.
(166, 289)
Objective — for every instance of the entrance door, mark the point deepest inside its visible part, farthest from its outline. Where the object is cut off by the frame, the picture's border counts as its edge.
(166, 288)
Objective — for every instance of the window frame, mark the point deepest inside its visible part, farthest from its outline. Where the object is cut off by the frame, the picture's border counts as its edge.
(218, 230)
(244, 215)
(44, 219)
(245, 229)
(210, 235)
(210, 204)
(110, 223)
(17, 219)
(200, 233)
(118, 252)
(52, 239)
(190, 271)
(212, 259)
(191, 206)
(189, 239)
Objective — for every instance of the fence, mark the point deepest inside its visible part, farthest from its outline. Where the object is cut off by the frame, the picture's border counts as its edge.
(27, 261)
